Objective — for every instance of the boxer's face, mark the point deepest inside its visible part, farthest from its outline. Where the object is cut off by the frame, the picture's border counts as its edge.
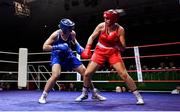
(107, 21)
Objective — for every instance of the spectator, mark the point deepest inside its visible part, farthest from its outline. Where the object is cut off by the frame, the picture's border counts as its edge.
(161, 65)
(118, 89)
(171, 65)
(71, 87)
(176, 91)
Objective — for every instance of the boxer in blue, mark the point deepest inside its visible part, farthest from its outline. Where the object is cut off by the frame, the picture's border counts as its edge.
(62, 57)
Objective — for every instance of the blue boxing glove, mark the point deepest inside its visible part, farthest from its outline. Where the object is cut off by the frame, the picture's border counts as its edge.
(63, 47)
(79, 48)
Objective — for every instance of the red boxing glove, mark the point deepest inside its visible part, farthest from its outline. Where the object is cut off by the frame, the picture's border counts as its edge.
(86, 54)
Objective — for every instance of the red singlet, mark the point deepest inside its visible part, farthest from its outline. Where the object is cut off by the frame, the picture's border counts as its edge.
(107, 48)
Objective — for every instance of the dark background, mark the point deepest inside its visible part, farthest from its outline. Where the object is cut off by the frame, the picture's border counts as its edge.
(145, 21)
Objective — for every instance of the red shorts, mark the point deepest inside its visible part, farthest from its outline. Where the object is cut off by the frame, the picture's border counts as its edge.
(101, 55)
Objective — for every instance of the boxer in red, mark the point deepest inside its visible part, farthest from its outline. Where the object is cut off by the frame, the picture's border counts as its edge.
(111, 42)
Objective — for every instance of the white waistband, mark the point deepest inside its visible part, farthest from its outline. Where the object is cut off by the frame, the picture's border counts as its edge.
(101, 45)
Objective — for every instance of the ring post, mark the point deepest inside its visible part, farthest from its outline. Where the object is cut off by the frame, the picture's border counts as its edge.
(22, 67)
(78, 76)
(138, 64)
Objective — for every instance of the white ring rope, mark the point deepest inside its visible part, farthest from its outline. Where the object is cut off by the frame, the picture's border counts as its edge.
(4, 61)
(31, 62)
(43, 53)
(8, 72)
(2, 52)
(39, 53)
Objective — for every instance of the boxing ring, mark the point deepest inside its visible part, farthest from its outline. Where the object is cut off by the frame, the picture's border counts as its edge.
(20, 92)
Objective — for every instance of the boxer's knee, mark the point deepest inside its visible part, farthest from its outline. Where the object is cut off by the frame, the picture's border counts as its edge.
(87, 74)
(55, 76)
(124, 75)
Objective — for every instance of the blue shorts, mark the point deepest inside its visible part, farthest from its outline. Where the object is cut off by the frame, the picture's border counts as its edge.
(67, 60)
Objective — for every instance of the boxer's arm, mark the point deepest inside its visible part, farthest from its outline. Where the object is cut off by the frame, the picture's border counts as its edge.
(63, 47)
(78, 47)
(122, 43)
(95, 34)
(47, 46)
(86, 54)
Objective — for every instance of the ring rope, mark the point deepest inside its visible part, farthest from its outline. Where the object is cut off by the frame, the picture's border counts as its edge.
(158, 70)
(155, 45)
(147, 81)
(30, 62)
(39, 53)
(4, 61)
(43, 53)
(150, 56)
(8, 52)
(8, 72)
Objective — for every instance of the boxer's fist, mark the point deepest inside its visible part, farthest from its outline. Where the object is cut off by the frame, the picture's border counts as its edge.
(86, 54)
(79, 48)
